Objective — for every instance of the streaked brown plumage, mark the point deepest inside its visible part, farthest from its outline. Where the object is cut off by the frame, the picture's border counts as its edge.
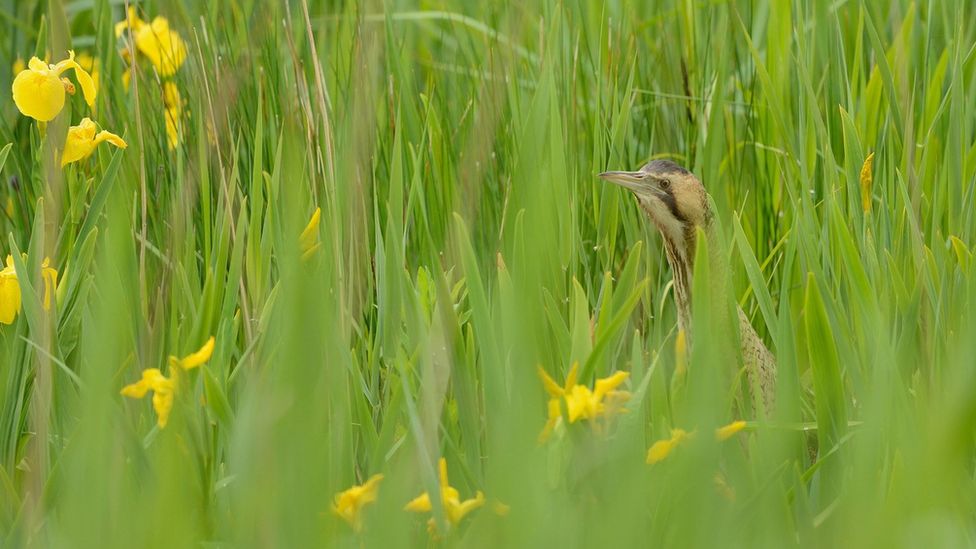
(677, 203)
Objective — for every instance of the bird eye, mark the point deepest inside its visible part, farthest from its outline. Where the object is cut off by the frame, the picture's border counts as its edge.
(665, 184)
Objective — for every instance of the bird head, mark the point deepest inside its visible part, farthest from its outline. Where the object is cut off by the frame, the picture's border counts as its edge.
(672, 196)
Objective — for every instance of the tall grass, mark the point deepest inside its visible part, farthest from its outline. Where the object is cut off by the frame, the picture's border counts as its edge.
(465, 242)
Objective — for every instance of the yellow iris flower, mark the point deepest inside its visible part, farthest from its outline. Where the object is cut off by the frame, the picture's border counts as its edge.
(582, 402)
(164, 388)
(161, 45)
(82, 140)
(39, 89)
(349, 503)
(10, 298)
(454, 509)
(308, 241)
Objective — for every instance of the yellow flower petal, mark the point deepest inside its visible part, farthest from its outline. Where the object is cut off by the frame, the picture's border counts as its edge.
(549, 384)
(38, 91)
(308, 240)
(132, 21)
(348, 503)
(162, 46)
(662, 448)
(419, 504)
(580, 404)
(555, 416)
(50, 277)
(455, 513)
(571, 377)
(163, 393)
(728, 431)
(85, 79)
(174, 124)
(607, 384)
(195, 359)
(9, 297)
(163, 404)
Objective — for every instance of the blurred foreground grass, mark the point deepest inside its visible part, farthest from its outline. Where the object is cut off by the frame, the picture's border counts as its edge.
(463, 243)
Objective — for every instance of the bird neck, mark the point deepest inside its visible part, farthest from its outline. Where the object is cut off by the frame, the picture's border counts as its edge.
(681, 257)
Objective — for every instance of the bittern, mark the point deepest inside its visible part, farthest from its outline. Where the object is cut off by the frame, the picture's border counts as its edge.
(678, 205)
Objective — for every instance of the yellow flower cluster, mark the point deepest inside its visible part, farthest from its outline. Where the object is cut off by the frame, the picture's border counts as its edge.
(166, 51)
(164, 388)
(349, 503)
(10, 297)
(581, 402)
(454, 508)
(575, 402)
(39, 92)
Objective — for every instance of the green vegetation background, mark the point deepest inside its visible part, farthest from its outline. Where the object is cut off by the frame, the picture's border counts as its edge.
(465, 241)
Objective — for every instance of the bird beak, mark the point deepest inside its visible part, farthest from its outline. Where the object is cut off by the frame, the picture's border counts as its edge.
(629, 180)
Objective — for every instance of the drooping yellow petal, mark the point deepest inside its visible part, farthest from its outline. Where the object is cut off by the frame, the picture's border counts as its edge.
(162, 401)
(85, 79)
(92, 65)
(193, 360)
(662, 448)
(9, 297)
(112, 138)
(728, 431)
